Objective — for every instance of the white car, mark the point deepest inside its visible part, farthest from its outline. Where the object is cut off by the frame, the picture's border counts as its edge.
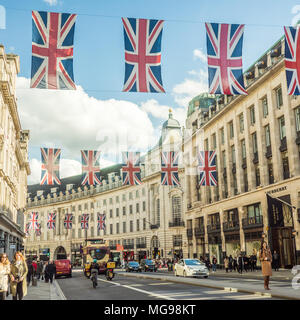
(191, 268)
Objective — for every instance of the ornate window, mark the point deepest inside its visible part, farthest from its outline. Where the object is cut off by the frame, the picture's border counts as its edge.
(176, 208)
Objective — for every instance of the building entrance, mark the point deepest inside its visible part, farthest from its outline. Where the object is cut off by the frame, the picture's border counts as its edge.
(281, 226)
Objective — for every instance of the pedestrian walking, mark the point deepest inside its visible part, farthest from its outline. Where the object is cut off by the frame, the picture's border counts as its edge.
(39, 269)
(46, 272)
(234, 264)
(226, 264)
(253, 261)
(276, 260)
(246, 262)
(265, 257)
(30, 271)
(230, 263)
(240, 262)
(43, 270)
(18, 272)
(4, 275)
(207, 263)
(51, 270)
(214, 264)
(34, 264)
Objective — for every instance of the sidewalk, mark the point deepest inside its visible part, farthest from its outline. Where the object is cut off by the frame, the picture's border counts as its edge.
(43, 291)
(279, 290)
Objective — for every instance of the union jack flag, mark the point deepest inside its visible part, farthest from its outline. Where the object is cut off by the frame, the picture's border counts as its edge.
(38, 230)
(169, 168)
(142, 39)
(33, 221)
(51, 220)
(292, 60)
(52, 50)
(101, 221)
(131, 172)
(224, 58)
(85, 221)
(50, 166)
(90, 167)
(207, 168)
(68, 221)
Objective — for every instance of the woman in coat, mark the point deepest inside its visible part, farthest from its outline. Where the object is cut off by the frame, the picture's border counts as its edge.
(18, 284)
(4, 273)
(226, 264)
(265, 256)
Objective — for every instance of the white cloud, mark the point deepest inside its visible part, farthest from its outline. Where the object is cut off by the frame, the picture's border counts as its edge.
(75, 121)
(162, 112)
(199, 54)
(51, 2)
(189, 88)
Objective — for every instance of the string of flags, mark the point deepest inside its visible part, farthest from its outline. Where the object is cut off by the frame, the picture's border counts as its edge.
(131, 168)
(35, 225)
(53, 46)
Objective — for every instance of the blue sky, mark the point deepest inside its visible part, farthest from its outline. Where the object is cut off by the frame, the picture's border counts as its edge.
(99, 52)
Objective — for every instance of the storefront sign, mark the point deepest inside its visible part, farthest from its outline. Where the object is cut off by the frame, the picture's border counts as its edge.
(277, 190)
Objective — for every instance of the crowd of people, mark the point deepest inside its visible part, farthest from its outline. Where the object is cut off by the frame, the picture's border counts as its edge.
(16, 275)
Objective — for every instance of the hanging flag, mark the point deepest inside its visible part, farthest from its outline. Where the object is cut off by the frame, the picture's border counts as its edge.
(52, 50)
(33, 220)
(101, 221)
(169, 168)
(38, 230)
(51, 220)
(142, 40)
(292, 60)
(50, 166)
(207, 168)
(224, 58)
(85, 221)
(68, 221)
(90, 167)
(131, 172)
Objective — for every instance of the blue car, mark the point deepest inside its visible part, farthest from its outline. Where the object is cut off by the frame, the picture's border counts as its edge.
(133, 266)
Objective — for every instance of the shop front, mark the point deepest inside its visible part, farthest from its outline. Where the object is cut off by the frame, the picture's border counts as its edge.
(232, 244)
(141, 254)
(200, 247)
(128, 255)
(281, 229)
(215, 247)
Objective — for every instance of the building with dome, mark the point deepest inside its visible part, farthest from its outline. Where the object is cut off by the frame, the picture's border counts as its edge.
(148, 219)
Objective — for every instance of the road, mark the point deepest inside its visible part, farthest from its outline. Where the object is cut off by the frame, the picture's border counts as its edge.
(121, 288)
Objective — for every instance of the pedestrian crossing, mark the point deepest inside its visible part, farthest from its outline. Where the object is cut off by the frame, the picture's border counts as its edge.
(173, 291)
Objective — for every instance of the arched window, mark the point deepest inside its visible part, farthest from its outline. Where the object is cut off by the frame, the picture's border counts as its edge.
(176, 208)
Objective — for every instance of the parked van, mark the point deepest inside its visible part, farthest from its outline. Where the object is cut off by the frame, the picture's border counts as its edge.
(63, 268)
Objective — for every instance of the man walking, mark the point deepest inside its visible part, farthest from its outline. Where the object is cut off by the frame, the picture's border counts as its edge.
(50, 270)
(276, 260)
(240, 262)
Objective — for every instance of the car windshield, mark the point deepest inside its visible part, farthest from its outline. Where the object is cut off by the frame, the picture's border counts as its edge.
(149, 262)
(133, 264)
(193, 262)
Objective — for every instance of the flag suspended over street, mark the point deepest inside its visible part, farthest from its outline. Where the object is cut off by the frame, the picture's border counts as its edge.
(27, 229)
(224, 58)
(68, 221)
(38, 230)
(131, 171)
(101, 221)
(52, 50)
(142, 40)
(51, 220)
(90, 167)
(33, 221)
(292, 60)
(85, 221)
(169, 168)
(207, 168)
(50, 166)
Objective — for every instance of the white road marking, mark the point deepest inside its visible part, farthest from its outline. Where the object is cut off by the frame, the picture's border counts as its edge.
(139, 290)
(249, 297)
(217, 292)
(159, 284)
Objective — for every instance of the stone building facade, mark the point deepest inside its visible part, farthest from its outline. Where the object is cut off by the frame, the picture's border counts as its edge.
(257, 142)
(14, 166)
(147, 219)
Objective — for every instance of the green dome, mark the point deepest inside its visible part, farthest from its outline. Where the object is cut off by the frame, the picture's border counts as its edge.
(202, 101)
(171, 122)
